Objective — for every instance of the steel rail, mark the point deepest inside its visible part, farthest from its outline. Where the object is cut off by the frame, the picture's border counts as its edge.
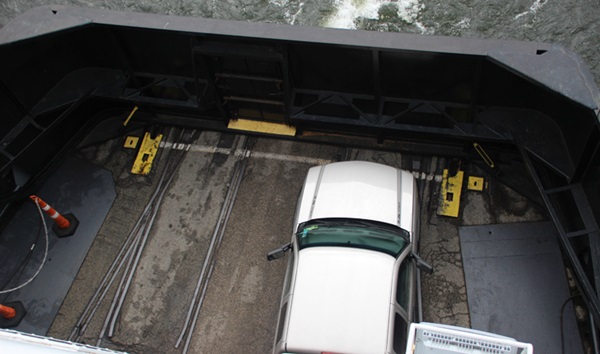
(242, 168)
(129, 257)
(120, 286)
(80, 330)
(206, 262)
(170, 167)
(220, 220)
(126, 245)
(188, 338)
(135, 235)
(131, 244)
(105, 284)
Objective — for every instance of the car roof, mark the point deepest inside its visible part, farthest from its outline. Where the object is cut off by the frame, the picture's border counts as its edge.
(358, 189)
(341, 301)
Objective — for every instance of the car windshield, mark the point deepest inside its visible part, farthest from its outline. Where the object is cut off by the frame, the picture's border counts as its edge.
(358, 233)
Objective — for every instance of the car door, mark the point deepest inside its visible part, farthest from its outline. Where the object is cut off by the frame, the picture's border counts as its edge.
(402, 307)
(280, 339)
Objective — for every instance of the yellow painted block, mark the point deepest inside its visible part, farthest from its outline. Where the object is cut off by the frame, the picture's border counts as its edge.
(475, 183)
(449, 203)
(262, 127)
(131, 142)
(146, 155)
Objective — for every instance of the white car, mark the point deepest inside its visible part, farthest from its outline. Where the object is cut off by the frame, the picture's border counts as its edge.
(350, 285)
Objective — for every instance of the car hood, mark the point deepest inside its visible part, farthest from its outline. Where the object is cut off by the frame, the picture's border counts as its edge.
(358, 189)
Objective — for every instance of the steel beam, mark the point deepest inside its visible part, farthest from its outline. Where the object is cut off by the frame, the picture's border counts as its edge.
(588, 285)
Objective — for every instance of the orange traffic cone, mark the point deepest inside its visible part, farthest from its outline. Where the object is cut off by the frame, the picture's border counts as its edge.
(63, 225)
(11, 314)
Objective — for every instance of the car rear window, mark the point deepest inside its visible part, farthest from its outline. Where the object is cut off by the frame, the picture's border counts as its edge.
(356, 233)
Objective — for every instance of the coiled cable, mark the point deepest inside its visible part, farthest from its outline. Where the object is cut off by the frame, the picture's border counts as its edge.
(43, 260)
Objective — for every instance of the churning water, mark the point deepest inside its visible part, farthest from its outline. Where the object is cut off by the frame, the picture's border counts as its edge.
(574, 24)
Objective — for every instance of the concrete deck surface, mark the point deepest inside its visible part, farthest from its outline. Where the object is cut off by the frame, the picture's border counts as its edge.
(239, 312)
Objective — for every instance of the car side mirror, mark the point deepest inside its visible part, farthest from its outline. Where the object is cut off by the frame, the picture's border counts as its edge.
(421, 264)
(279, 252)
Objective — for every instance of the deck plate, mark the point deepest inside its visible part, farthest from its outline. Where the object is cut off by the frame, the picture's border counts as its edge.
(78, 187)
(516, 284)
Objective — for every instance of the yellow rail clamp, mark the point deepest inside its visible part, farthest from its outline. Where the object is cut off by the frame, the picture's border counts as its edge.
(131, 142)
(475, 183)
(261, 127)
(449, 203)
(146, 155)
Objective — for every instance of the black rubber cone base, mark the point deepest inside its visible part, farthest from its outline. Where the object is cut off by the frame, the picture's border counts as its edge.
(69, 230)
(13, 322)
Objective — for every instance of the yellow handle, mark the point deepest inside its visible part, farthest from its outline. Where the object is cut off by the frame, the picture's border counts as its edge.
(130, 115)
(488, 160)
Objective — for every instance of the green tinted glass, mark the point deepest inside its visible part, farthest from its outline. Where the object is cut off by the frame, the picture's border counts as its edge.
(353, 233)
